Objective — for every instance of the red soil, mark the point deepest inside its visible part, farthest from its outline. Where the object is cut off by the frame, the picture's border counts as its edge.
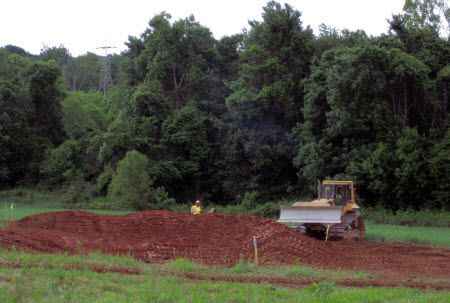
(156, 236)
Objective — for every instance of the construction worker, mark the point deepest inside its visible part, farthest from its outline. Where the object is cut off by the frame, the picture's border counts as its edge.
(196, 208)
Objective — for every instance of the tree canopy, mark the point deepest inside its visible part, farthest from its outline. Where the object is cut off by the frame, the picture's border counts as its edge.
(264, 113)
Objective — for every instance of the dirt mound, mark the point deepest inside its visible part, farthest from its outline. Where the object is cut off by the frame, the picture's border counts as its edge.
(157, 236)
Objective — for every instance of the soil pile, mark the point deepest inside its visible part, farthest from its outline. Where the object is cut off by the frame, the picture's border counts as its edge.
(156, 236)
(160, 235)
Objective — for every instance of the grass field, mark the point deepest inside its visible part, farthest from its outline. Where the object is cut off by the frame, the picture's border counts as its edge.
(430, 218)
(18, 203)
(45, 278)
(436, 236)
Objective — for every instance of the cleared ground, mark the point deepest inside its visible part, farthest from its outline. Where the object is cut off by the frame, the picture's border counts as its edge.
(435, 236)
(160, 236)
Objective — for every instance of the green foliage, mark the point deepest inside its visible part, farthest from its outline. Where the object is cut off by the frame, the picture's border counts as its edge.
(411, 173)
(177, 55)
(84, 114)
(249, 201)
(444, 73)
(270, 110)
(409, 217)
(183, 265)
(266, 101)
(427, 14)
(30, 116)
(131, 185)
(440, 172)
(360, 125)
(78, 193)
(63, 163)
(243, 267)
(83, 73)
(46, 95)
(161, 199)
(104, 179)
(185, 139)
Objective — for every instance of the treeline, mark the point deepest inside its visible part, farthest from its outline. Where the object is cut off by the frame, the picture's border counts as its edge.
(261, 114)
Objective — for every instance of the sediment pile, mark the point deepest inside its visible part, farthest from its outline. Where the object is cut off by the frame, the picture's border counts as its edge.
(157, 236)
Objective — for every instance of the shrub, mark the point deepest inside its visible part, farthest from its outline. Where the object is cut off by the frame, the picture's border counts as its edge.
(78, 193)
(131, 184)
(243, 267)
(132, 187)
(268, 210)
(161, 200)
(104, 180)
(249, 201)
(62, 162)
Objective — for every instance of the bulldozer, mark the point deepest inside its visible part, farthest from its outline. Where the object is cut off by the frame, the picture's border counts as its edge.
(333, 215)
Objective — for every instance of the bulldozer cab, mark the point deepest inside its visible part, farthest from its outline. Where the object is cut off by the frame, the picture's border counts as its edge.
(339, 192)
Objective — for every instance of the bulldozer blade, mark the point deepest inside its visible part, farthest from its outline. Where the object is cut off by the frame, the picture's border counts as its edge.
(302, 215)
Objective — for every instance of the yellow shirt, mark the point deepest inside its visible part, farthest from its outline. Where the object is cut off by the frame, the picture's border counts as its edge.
(196, 210)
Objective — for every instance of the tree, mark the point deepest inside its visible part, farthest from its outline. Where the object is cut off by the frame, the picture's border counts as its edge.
(433, 14)
(84, 114)
(440, 173)
(46, 95)
(13, 49)
(178, 55)
(443, 82)
(17, 142)
(276, 58)
(355, 97)
(411, 184)
(374, 170)
(185, 142)
(131, 186)
(59, 54)
(83, 73)
(63, 163)
(266, 101)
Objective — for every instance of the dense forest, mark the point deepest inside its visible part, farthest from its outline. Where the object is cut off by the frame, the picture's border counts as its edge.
(267, 112)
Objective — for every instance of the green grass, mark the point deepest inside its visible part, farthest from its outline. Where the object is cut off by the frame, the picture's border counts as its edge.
(435, 218)
(31, 197)
(248, 269)
(8, 214)
(18, 203)
(36, 284)
(60, 260)
(436, 236)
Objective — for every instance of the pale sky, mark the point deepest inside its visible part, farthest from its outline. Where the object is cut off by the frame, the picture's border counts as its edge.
(84, 25)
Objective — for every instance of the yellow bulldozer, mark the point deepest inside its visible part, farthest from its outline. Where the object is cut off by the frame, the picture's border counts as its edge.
(333, 215)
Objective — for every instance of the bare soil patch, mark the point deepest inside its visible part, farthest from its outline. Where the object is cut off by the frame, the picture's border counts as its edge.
(158, 236)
